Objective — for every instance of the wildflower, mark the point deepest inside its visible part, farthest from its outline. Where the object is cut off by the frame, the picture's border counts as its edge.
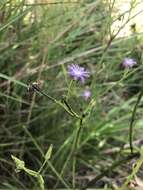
(129, 63)
(86, 94)
(78, 73)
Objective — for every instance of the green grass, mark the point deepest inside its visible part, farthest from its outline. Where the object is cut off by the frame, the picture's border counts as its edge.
(37, 43)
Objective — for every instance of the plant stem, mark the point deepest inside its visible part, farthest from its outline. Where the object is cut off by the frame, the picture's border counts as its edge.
(75, 149)
(70, 109)
(72, 152)
(67, 108)
(41, 168)
(69, 89)
(132, 121)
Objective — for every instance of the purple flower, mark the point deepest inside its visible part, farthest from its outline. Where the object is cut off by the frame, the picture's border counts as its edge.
(129, 63)
(86, 94)
(78, 73)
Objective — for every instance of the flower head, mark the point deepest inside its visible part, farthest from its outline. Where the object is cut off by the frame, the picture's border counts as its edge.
(78, 73)
(129, 63)
(86, 94)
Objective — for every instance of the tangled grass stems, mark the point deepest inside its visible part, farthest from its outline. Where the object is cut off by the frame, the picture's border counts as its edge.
(109, 169)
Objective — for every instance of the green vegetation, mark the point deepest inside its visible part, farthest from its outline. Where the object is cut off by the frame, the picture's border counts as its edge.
(42, 108)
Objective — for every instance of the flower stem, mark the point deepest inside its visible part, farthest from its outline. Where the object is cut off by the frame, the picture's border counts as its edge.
(77, 138)
(68, 109)
(72, 153)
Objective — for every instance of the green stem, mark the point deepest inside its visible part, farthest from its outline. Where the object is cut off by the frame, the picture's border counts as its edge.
(70, 108)
(73, 172)
(41, 168)
(132, 121)
(73, 151)
(67, 108)
(69, 89)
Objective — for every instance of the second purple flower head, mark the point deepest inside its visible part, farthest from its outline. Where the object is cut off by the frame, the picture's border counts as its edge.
(86, 94)
(78, 73)
(129, 62)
